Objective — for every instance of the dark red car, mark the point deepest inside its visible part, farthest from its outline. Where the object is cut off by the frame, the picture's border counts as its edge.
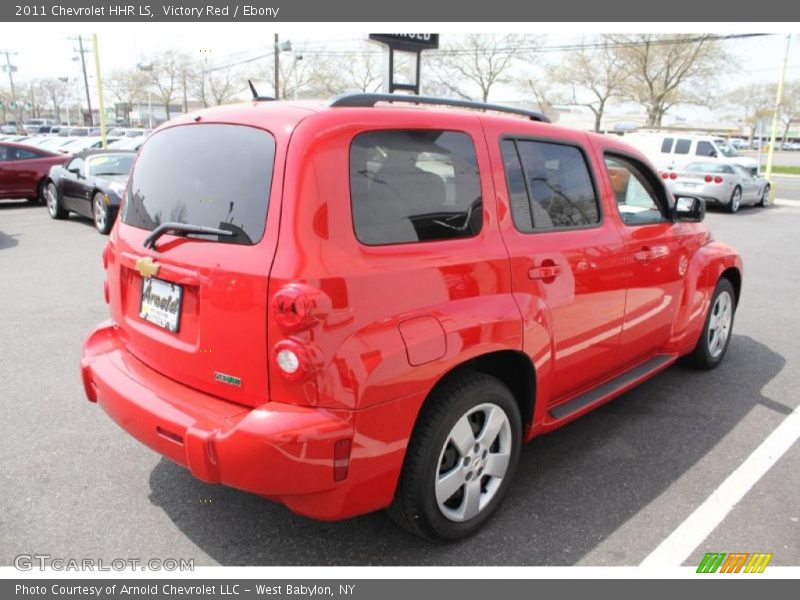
(354, 305)
(23, 170)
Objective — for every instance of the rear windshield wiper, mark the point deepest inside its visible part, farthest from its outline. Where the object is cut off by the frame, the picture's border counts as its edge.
(150, 240)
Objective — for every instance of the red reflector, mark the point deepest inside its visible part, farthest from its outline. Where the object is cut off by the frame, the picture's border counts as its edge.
(673, 175)
(105, 256)
(341, 459)
(88, 384)
(717, 179)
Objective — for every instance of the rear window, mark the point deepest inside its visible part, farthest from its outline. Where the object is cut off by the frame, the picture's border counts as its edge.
(414, 186)
(666, 145)
(683, 146)
(708, 168)
(210, 175)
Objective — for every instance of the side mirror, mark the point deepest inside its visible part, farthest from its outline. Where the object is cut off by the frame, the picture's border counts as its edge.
(76, 172)
(690, 209)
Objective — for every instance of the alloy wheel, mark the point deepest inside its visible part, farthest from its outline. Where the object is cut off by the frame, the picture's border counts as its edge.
(719, 325)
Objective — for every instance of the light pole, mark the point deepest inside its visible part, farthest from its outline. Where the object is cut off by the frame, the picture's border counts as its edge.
(276, 51)
(778, 103)
(148, 68)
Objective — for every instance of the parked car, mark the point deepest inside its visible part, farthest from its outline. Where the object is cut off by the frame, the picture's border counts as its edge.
(23, 170)
(791, 146)
(85, 143)
(91, 184)
(33, 126)
(9, 128)
(128, 143)
(672, 152)
(729, 186)
(358, 305)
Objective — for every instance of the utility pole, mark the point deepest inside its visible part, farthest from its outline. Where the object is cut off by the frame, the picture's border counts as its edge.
(276, 52)
(82, 52)
(11, 69)
(99, 77)
(778, 103)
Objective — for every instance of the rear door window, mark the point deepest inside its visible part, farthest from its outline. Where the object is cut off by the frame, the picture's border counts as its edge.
(683, 146)
(549, 185)
(414, 186)
(207, 174)
(666, 145)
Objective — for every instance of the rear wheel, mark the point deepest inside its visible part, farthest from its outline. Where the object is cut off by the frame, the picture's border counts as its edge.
(101, 214)
(713, 343)
(736, 200)
(764, 200)
(54, 202)
(460, 459)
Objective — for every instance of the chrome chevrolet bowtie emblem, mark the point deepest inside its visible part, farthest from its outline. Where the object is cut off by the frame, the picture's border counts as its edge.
(146, 267)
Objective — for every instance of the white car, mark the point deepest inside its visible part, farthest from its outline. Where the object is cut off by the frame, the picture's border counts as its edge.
(85, 143)
(726, 185)
(672, 152)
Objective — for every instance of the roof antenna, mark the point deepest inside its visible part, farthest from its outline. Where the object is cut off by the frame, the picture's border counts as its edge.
(256, 97)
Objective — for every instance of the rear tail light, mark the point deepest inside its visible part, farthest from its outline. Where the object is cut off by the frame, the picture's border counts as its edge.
(341, 459)
(709, 179)
(297, 306)
(664, 175)
(106, 250)
(717, 179)
(673, 175)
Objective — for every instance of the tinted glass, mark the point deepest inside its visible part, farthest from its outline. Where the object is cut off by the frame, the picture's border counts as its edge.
(559, 185)
(4, 153)
(682, 146)
(212, 175)
(517, 191)
(414, 186)
(636, 197)
(705, 149)
(21, 154)
(666, 145)
(76, 164)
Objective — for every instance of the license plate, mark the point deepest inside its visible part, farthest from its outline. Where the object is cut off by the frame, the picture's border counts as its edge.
(161, 303)
(690, 185)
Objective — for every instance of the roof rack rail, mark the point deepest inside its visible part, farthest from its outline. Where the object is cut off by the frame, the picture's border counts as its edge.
(356, 99)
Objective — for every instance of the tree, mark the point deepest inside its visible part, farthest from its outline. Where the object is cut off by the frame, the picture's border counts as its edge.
(591, 78)
(127, 86)
(665, 70)
(363, 71)
(56, 91)
(168, 75)
(478, 61)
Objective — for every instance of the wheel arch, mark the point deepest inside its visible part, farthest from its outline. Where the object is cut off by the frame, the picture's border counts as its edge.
(733, 275)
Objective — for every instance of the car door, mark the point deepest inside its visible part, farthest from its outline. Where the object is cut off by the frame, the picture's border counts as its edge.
(656, 255)
(567, 260)
(5, 173)
(70, 186)
(751, 190)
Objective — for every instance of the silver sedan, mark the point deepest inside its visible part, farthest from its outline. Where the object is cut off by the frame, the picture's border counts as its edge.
(726, 185)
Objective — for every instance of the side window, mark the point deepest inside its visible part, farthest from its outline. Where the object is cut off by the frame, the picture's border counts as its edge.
(76, 164)
(414, 186)
(705, 149)
(3, 153)
(556, 181)
(634, 192)
(27, 154)
(683, 146)
(666, 145)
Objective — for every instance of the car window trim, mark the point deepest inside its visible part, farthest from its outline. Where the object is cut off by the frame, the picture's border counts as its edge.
(551, 140)
(412, 242)
(662, 203)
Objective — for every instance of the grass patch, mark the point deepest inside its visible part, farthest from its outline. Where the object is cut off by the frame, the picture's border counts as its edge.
(782, 170)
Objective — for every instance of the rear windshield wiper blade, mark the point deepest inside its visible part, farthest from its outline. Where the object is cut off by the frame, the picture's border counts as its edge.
(150, 240)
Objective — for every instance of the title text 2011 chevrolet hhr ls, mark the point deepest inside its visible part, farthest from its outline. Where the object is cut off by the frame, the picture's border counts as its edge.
(354, 305)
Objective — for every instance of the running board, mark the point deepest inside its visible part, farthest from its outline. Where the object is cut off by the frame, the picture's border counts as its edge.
(610, 387)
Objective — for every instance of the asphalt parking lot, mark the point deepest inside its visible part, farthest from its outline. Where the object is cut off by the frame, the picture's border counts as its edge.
(605, 490)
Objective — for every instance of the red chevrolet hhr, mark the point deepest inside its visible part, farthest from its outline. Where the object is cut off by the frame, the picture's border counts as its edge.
(372, 303)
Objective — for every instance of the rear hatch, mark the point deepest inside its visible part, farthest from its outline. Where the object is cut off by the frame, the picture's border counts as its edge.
(193, 306)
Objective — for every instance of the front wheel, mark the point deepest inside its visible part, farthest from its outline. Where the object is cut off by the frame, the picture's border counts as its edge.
(764, 200)
(713, 343)
(736, 200)
(54, 202)
(101, 214)
(460, 460)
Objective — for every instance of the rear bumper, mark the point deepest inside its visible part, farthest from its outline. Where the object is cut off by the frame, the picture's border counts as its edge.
(277, 450)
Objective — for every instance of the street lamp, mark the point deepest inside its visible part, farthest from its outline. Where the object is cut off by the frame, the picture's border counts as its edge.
(147, 68)
(285, 46)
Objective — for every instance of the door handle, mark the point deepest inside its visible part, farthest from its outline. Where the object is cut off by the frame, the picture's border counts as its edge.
(643, 256)
(545, 272)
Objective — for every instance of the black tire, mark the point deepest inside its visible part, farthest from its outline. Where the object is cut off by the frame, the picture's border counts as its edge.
(764, 200)
(415, 507)
(54, 207)
(736, 200)
(702, 357)
(102, 214)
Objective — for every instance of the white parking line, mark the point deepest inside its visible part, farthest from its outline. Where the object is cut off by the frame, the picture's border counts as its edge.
(680, 544)
(786, 202)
